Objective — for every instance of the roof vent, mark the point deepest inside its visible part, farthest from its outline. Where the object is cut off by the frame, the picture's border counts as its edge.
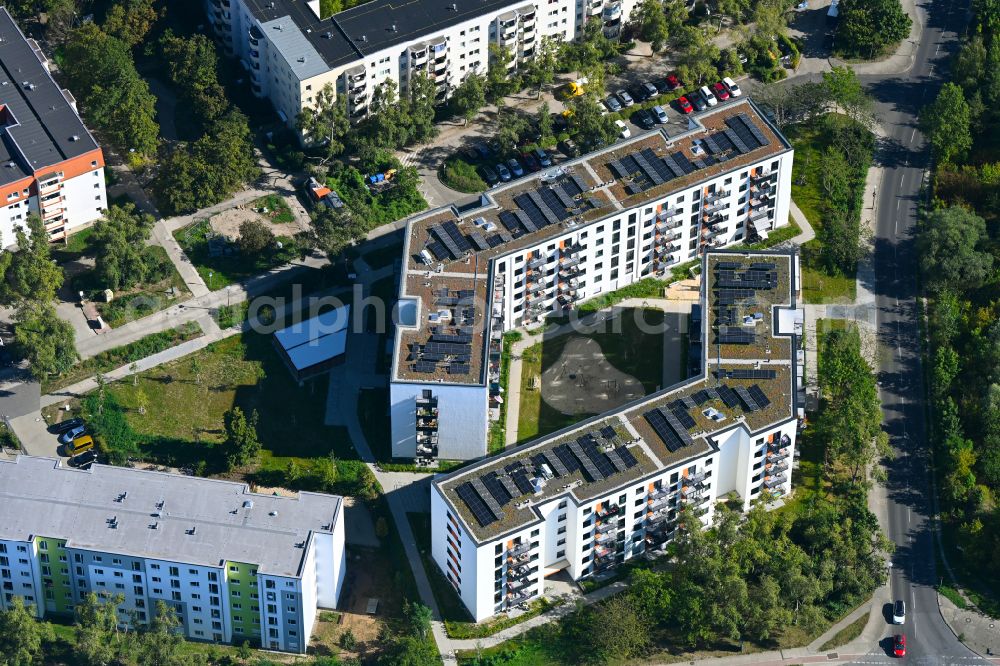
(453, 7)
(392, 28)
(10, 165)
(25, 84)
(364, 38)
(302, 58)
(300, 544)
(273, 513)
(154, 526)
(247, 504)
(192, 531)
(121, 497)
(327, 35)
(113, 522)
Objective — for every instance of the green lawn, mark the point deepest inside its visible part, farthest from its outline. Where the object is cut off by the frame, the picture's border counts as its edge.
(819, 287)
(74, 247)
(278, 211)
(645, 288)
(461, 176)
(632, 351)
(221, 271)
(145, 299)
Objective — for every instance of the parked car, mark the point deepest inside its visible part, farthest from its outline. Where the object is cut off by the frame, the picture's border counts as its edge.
(68, 424)
(643, 119)
(489, 175)
(662, 86)
(707, 95)
(732, 87)
(79, 445)
(543, 157)
(559, 122)
(515, 168)
(899, 645)
(720, 91)
(568, 148)
(83, 460)
(503, 171)
(649, 91)
(899, 612)
(684, 104)
(625, 98)
(482, 150)
(660, 114)
(470, 154)
(673, 82)
(623, 129)
(529, 161)
(613, 104)
(71, 434)
(604, 107)
(698, 101)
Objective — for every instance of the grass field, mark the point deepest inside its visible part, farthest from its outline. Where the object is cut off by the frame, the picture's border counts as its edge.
(221, 271)
(278, 211)
(632, 351)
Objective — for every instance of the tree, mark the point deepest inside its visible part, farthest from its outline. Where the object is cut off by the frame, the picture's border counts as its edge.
(540, 70)
(45, 340)
(591, 128)
(410, 651)
(651, 22)
(100, 71)
(947, 123)
(255, 237)
(193, 65)
(242, 445)
(160, 643)
(546, 136)
(423, 93)
(696, 55)
(131, 20)
(843, 88)
(387, 125)
(418, 617)
(335, 229)
(30, 273)
(98, 640)
(469, 97)
(119, 242)
(325, 124)
(947, 246)
(501, 79)
(630, 634)
(867, 28)
(21, 636)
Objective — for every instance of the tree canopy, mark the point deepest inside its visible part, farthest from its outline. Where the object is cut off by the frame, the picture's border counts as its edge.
(947, 123)
(46, 340)
(948, 246)
(119, 245)
(868, 28)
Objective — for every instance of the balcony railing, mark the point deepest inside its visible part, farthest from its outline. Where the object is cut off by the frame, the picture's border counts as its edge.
(519, 549)
(608, 510)
(774, 481)
(760, 175)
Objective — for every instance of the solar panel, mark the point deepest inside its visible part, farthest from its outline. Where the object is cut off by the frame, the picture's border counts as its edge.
(712, 393)
(607, 432)
(496, 489)
(627, 457)
(701, 397)
(496, 240)
(749, 373)
(509, 486)
(551, 202)
(618, 169)
(673, 166)
(710, 145)
(647, 169)
(763, 266)
(568, 461)
(736, 140)
(689, 402)
(657, 418)
(679, 412)
(728, 397)
(459, 368)
(429, 356)
(588, 466)
(556, 464)
(565, 198)
(488, 499)
(727, 265)
(477, 239)
(616, 460)
(509, 220)
(456, 236)
(751, 127)
(447, 337)
(424, 366)
(601, 462)
(447, 241)
(759, 396)
(746, 399)
(539, 220)
(536, 198)
(520, 476)
(580, 184)
(526, 221)
(683, 162)
(438, 250)
(480, 511)
(678, 427)
(737, 336)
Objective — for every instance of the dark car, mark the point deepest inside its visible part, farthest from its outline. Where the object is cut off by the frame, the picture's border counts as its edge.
(662, 87)
(482, 150)
(470, 153)
(68, 424)
(83, 460)
(613, 104)
(559, 122)
(643, 119)
(568, 148)
(530, 161)
(71, 434)
(698, 101)
(489, 174)
(684, 104)
(649, 91)
(543, 157)
(899, 645)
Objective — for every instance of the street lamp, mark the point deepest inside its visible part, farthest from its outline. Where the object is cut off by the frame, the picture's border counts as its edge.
(210, 274)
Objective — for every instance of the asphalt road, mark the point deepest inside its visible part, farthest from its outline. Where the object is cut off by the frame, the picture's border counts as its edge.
(913, 572)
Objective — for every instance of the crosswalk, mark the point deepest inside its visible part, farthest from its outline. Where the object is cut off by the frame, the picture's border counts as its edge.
(408, 158)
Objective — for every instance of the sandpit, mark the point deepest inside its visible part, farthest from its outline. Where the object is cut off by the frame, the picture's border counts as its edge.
(582, 381)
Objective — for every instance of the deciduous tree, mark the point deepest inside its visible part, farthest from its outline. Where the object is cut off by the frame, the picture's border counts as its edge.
(255, 237)
(21, 636)
(45, 340)
(325, 124)
(869, 27)
(242, 445)
(119, 245)
(131, 20)
(30, 274)
(947, 123)
(469, 98)
(948, 248)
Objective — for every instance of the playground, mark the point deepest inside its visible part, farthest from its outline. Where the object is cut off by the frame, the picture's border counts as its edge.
(582, 381)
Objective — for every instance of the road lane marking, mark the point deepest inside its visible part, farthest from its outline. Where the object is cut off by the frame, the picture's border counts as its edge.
(913, 134)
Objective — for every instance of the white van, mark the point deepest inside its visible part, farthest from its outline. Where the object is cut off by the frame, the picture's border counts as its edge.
(707, 95)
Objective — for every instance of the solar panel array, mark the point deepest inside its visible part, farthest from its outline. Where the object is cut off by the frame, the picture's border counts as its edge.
(745, 373)
(727, 396)
(758, 395)
(480, 511)
(737, 336)
(749, 279)
(680, 412)
(748, 402)
(666, 426)
(733, 296)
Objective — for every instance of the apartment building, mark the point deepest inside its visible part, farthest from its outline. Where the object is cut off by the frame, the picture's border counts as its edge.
(542, 244)
(599, 493)
(290, 53)
(233, 565)
(51, 165)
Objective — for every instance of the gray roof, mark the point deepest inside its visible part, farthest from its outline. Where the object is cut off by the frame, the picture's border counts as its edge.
(47, 130)
(41, 497)
(299, 52)
(372, 26)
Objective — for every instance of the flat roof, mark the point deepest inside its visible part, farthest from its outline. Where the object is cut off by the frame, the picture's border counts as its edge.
(40, 128)
(569, 197)
(316, 340)
(753, 389)
(371, 26)
(161, 516)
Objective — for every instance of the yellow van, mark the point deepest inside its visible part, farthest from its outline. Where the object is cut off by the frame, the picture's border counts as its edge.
(79, 445)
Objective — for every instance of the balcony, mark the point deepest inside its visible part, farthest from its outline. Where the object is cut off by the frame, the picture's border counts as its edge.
(607, 511)
(606, 539)
(760, 175)
(594, 8)
(536, 261)
(776, 468)
(519, 549)
(693, 479)
(516, 586)
(774, 481)
(758, 215)
(612, 13)
(49, 187)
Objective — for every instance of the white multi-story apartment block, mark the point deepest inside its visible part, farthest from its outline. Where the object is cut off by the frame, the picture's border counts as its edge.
(233, 565)
(50, 164)
(291, 53)
(545, 242)
(601, 492)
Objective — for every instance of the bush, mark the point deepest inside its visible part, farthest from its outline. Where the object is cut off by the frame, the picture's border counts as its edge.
(459, 175)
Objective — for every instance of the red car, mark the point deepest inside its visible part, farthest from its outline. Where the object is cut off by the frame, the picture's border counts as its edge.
(673, 82)
(684, 105)
(720, 91)
(899, 645)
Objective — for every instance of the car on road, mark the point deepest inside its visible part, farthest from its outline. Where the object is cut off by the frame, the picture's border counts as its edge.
(623, 129)
(71, 434)
(515, 168)
(660, 114)
(530, 161)
(899, 645)
(503, 171)
(649, 91)
(625, 98)
(643, 119)
(732, 87)
(707, 95)
(899, 612)
(490, 175)
(68, 424)
(720, 91)
(84, 460)
(543, 157)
